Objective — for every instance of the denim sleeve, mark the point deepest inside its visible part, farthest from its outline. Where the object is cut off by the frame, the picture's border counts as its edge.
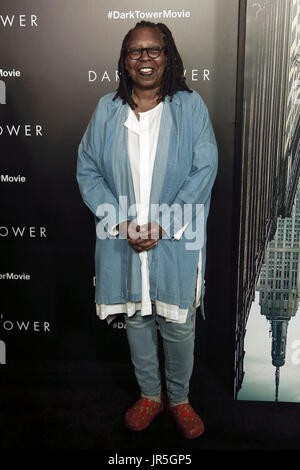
(94, 189)
(197, 187)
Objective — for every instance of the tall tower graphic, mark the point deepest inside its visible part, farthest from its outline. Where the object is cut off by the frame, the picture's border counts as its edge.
(279, 284)
(269, 165)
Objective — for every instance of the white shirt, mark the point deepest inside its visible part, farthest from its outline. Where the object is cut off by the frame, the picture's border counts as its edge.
(142, 144)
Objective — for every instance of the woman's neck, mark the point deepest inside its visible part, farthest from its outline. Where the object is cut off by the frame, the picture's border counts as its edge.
(145, 99)
(145, 95)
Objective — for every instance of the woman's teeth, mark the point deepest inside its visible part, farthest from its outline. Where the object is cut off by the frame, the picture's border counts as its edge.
(146, 70)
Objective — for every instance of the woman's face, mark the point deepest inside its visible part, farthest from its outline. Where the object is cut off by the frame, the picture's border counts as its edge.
(146, 73)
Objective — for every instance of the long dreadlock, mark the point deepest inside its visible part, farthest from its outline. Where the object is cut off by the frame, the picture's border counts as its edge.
(173, 79)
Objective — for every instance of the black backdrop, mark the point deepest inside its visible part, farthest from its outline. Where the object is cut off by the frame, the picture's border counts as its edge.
(47, 234)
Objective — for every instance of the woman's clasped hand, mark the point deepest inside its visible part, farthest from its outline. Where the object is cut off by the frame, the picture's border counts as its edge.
(141, 237)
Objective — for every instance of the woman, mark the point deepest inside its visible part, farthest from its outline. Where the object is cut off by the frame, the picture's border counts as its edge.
(148, 158)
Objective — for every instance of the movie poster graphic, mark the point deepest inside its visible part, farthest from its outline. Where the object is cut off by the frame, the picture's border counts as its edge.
(267, 360)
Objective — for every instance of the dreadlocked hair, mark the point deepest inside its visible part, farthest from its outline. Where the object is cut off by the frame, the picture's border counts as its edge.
(173, 78)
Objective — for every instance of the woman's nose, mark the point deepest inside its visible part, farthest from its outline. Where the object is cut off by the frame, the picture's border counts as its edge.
(144, 55)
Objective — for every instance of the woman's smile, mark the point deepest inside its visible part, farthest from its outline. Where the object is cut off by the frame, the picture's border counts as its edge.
(146, 71)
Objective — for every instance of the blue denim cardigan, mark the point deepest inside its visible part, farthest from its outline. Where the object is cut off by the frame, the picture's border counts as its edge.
(184, 171)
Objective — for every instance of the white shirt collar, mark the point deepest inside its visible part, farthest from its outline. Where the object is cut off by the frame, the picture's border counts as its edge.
(135, 125)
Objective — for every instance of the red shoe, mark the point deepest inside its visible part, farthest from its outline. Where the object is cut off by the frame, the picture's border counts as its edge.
(142, 413)
(189, 423)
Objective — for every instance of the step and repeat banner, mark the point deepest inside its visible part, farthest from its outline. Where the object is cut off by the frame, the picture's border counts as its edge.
(56, 60)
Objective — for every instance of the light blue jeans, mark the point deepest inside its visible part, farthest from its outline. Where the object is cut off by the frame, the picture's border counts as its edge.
(178, 344)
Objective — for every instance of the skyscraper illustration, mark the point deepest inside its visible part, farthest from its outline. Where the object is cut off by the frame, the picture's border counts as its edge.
(269, 160)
